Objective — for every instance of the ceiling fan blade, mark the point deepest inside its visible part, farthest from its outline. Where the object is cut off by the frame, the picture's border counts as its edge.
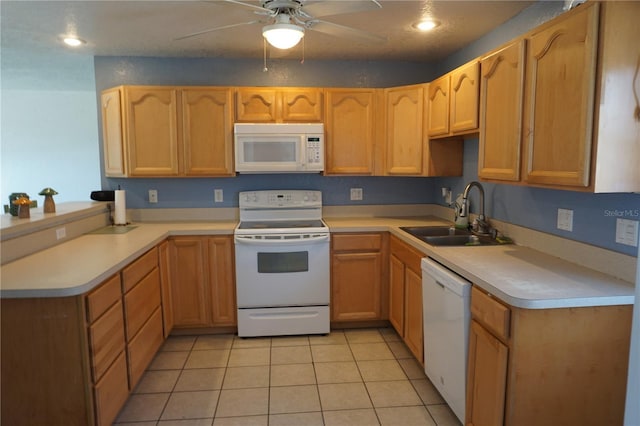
(210, 30)
(343, 31)
(333, 7)
(249, 5)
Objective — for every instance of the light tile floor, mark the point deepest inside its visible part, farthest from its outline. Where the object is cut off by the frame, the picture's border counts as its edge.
(351, 377)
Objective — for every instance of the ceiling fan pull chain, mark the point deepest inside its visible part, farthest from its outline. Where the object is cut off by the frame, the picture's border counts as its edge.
(302, 61)
(264, 51)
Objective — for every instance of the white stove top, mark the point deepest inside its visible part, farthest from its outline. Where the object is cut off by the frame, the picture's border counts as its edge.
(281, 211)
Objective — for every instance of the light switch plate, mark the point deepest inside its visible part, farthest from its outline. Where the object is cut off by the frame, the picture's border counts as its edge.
(218, 196)
(565, 220)
(627, 232)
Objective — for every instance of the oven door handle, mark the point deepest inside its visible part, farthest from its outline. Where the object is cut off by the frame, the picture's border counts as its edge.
(281, 242)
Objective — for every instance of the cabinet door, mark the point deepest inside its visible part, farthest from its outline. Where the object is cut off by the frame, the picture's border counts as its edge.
(405, 110)
(164, 261)
(501, 103)
(111, 107)
(221, 281)
(486, 378)
(188, 281)
(207, 127)
(438, 107)
(396, 294)
(301, 105)
(413, 313)
(463, 112)
(254, 105)
(349, 131)
(560, 103)
(356, 280)
(152, 135)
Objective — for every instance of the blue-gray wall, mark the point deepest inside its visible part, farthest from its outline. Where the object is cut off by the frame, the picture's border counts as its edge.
(594, 214)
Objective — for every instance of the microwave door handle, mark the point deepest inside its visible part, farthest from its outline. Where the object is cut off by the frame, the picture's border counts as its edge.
(297, 241)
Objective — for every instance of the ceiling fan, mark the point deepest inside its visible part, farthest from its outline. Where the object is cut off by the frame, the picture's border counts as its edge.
(287, 20)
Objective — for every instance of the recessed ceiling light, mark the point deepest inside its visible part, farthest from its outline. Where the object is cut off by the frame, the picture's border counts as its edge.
(426, 24)
(73, 41)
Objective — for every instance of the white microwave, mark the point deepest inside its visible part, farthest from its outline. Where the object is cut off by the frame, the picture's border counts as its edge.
(279, 147)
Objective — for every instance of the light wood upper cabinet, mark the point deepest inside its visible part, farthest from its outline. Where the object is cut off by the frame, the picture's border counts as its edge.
(408, 151)
(453, 102)
(276, 105)
(405, 153)
(560, 99)
(501, 103)
(168, 131)
(207, 131)
(465, 88)
(350, 131)
(151, 130)
(438, 106)
(579, 131)
(113, 148)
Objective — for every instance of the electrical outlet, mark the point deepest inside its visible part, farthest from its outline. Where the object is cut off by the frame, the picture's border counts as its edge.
(153, 196)
(446, 194)
(356, 194)
(627, 232)
(218, 195)
(61, 233)
(565, 220)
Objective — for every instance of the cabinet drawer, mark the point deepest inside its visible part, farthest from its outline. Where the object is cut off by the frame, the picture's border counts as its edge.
(407, 254)
(491, 313)
(139, 268)
(144, 346)
(111, 392)
(140, 302)
(100, 299)
(106, 340)
(347, 242)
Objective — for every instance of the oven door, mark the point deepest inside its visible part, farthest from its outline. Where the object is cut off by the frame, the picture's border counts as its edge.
(283, 272)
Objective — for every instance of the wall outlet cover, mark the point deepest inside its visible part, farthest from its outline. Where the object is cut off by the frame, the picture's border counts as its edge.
(356, 194)
(218, 196)
(153, 196)
(565, 220)
(627, 232)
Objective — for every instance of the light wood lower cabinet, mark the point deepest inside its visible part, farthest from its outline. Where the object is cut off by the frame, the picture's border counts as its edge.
(564, 366)
(202, 281)
(74, 360)
(405, 294)
(358, 277)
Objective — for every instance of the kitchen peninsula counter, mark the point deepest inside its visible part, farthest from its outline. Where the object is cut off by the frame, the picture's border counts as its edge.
(521, 276)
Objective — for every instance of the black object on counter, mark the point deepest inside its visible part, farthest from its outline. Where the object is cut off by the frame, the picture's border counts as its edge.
(103, 195)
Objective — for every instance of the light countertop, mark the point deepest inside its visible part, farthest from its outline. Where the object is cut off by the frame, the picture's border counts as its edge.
(520, 276)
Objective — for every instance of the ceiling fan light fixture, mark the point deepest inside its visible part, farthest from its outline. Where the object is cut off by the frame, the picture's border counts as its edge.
(283, 36)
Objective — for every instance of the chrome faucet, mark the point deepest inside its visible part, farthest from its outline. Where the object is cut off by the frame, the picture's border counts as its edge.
(481, 225)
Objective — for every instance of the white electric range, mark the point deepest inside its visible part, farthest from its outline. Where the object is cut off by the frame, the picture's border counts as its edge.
(282, 264)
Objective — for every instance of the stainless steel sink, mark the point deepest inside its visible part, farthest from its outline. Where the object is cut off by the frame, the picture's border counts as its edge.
(434, 231)
(460, 240)
(448, 236)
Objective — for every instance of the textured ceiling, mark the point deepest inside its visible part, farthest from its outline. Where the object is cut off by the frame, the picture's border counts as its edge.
(149, 28)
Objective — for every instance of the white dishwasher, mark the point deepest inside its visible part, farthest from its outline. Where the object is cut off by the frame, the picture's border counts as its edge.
(446, 316)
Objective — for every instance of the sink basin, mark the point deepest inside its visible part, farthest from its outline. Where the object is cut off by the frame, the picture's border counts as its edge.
(441, 236)
(433, 231)
(460, 240)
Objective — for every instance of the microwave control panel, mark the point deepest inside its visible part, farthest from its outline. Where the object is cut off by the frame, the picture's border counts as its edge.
(314, 150)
